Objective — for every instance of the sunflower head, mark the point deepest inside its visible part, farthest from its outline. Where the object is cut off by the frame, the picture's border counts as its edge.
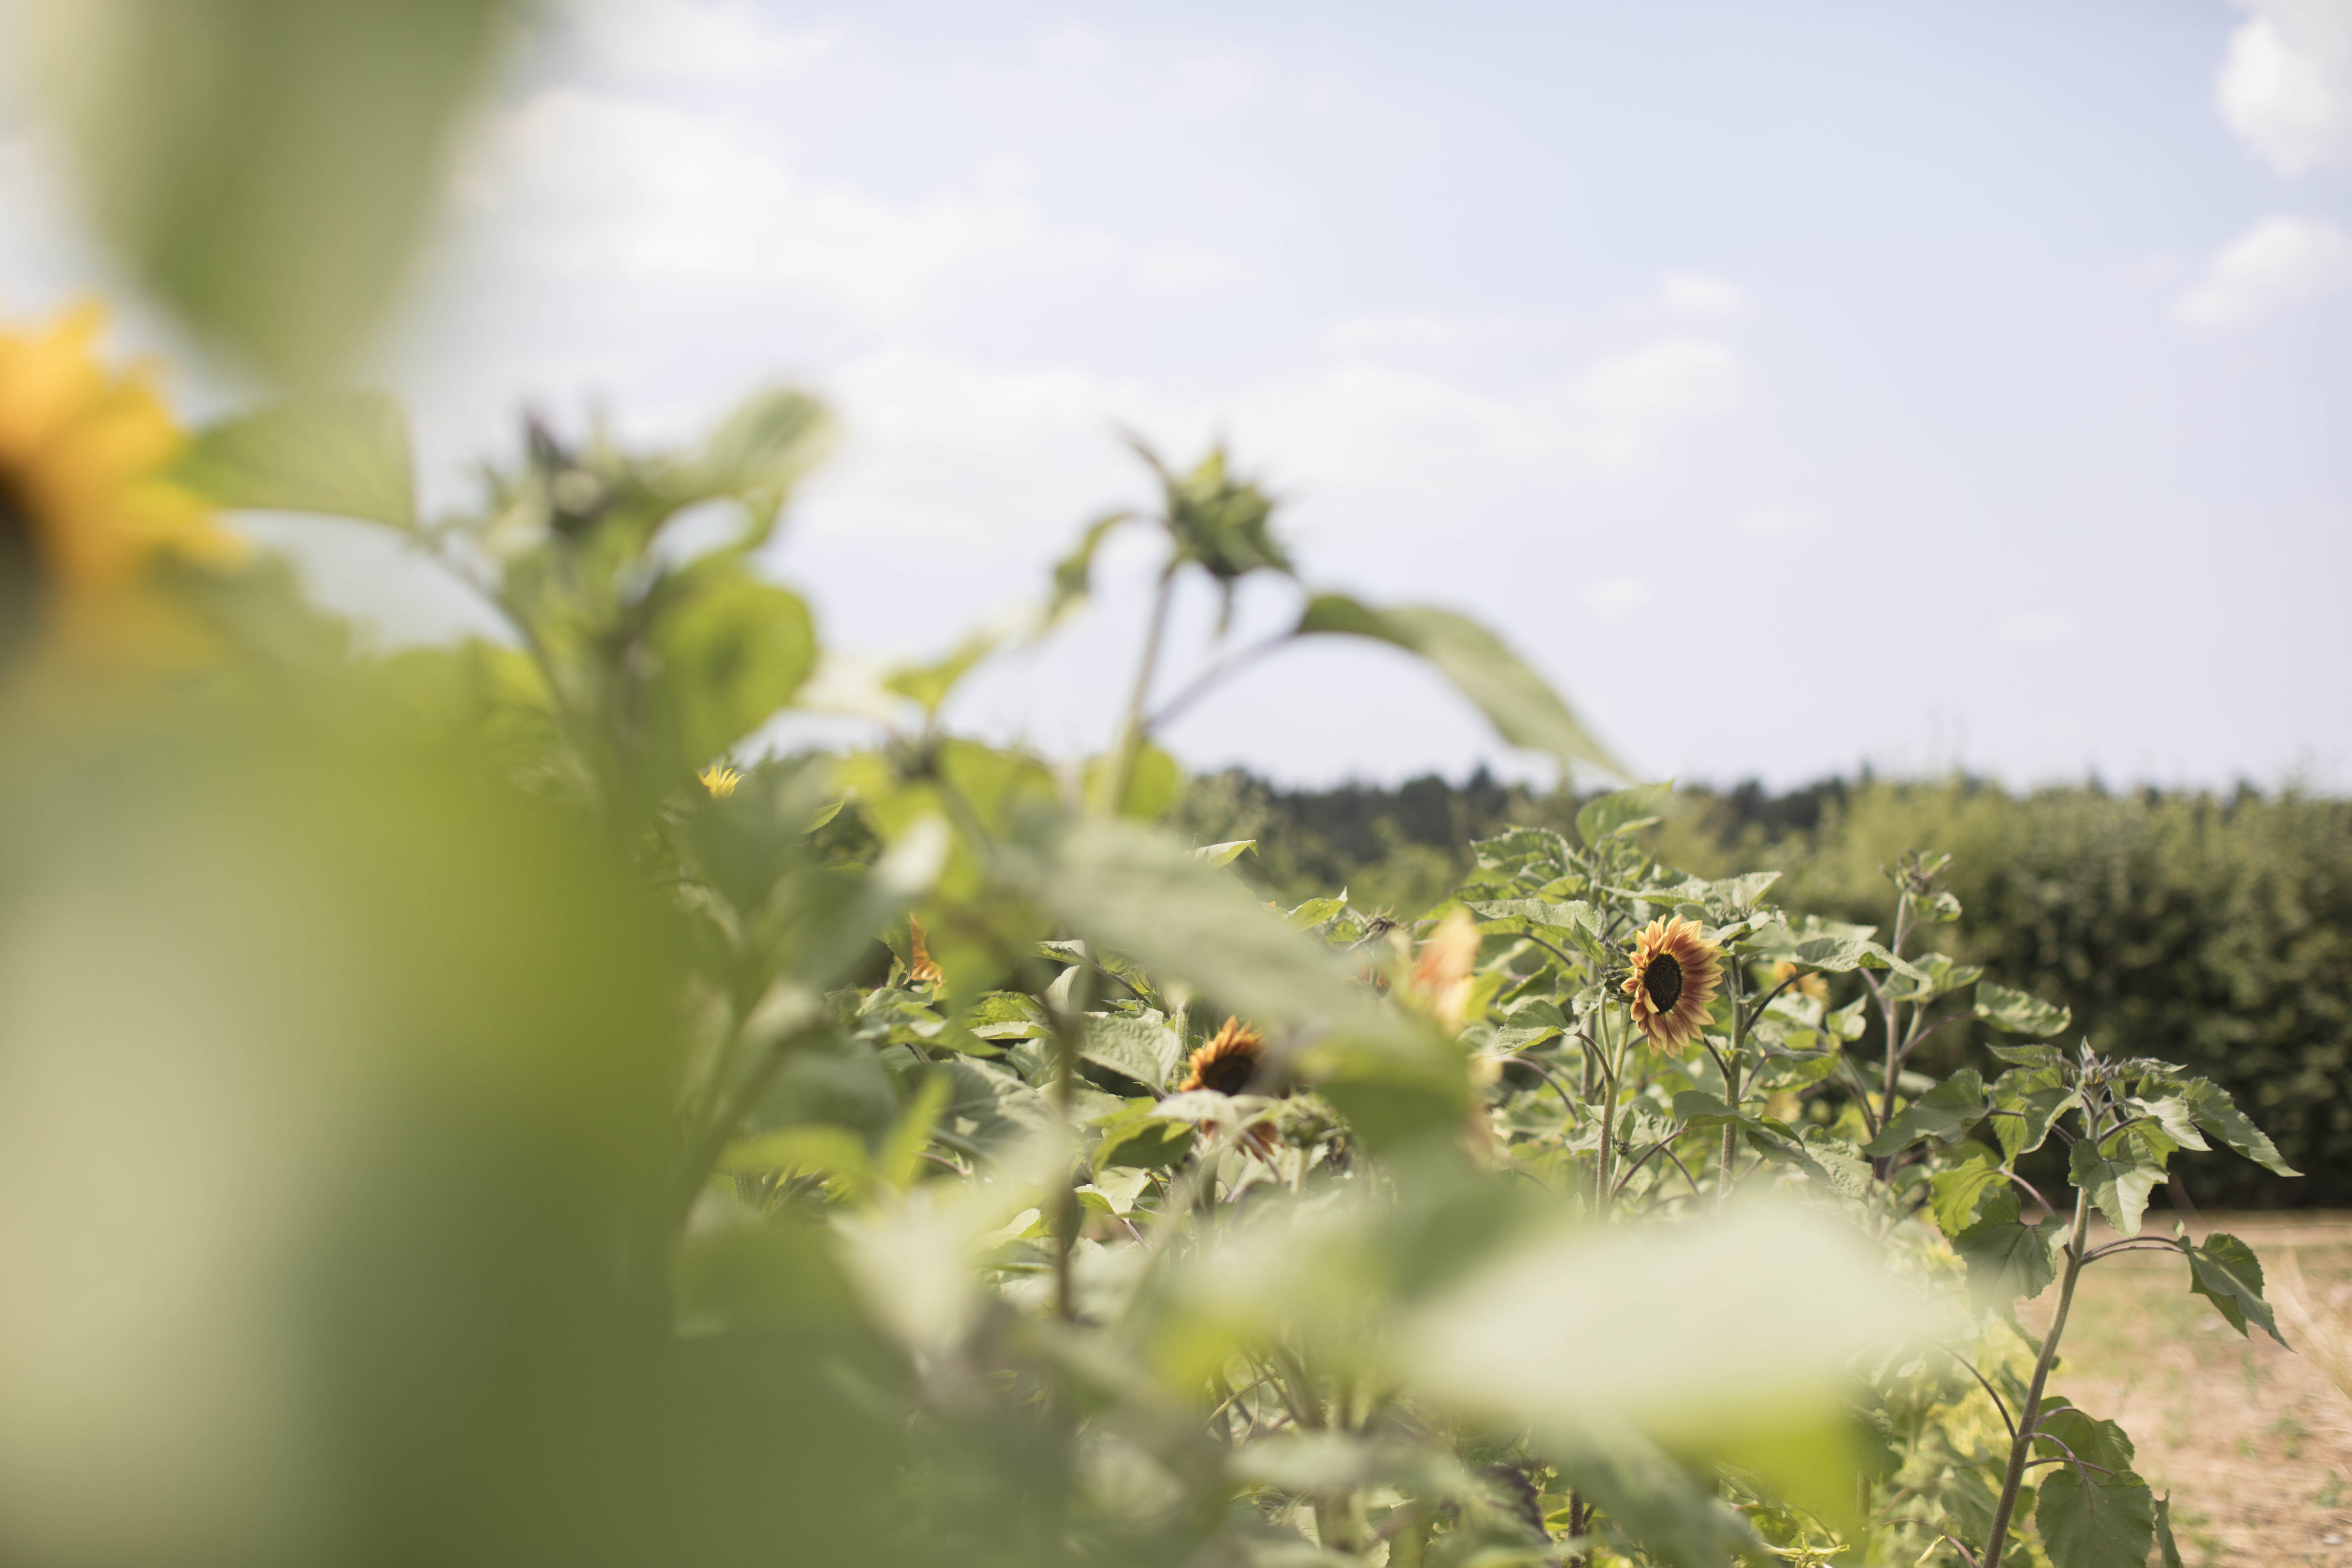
(1809, 983)
(86, 510)
(720, 780)
(1675, 974)
(1228, 1062)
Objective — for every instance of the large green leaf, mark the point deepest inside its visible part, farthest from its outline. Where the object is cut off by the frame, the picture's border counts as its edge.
(2018, 1012)
(1958, 1188)
(2119, 1173)
(2217, 1113)
(344, 454)
(730, 651)
(266, 167)
(2025, 1102)
(758, 453)
(2007, 1259)
(1143, 1048)
(1946, 1111)
(1623, 811)
(1519, 702)
(2095, 1513)
(2225, 1271)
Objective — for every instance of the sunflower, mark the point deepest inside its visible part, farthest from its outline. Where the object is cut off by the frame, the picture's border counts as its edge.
(720, 780)
(922, 969)
(1674, 977)
(1442, 970)
(1809, 983)
(86, 507)
(1228, 1062)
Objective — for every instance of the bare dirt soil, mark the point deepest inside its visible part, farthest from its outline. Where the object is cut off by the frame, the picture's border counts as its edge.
(2253, 1442)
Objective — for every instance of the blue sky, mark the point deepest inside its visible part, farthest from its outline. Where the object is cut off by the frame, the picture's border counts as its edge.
(1798, 385)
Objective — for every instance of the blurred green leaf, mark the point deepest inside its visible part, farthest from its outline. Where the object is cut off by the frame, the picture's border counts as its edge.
(731, 650)
(2018, 1012)
(1523, 708)
(344, 454)
(266, 167)
(759, 452)
(1625, 811)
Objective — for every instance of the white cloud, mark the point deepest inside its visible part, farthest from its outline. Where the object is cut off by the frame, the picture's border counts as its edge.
(1211, 83)
(1614, 598)
(2278, 264)
(1701, 294)
(1190, 267)
(1671, 379)
(697, 41)
(583, 184)
(2285, 84)
(2035, 628)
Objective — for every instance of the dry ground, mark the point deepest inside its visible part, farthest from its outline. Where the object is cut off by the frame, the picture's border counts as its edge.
(2255, 1443)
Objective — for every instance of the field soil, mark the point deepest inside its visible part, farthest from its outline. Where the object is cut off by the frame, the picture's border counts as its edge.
(2253, 1442)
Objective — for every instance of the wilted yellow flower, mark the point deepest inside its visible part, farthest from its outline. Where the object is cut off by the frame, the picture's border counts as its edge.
(720, 780)
(921, 968)
(1806, 984)
(84, 505)
(1442, 970)
(1674, 977)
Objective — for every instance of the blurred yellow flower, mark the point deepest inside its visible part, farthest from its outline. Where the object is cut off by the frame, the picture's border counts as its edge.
(1228, 1062)
(1810, 985)
(720, 780)
(86, 507)
(1442, 970)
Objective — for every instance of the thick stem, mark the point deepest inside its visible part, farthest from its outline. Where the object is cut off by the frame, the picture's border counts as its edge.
(1731, 1088)
(2029, 1416)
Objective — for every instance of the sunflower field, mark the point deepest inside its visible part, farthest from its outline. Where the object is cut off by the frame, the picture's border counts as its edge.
(480, 1105)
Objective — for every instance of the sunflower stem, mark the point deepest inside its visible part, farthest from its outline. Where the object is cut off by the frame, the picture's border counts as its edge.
(2029, 1416)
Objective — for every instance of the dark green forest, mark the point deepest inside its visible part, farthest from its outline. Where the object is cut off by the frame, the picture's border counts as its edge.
(2209, 928)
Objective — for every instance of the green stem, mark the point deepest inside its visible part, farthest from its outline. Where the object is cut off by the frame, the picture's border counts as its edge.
(1130, 728)
(2029, 1416)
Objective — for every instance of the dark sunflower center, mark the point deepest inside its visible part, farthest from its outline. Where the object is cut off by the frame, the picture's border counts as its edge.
(1663, 981)
(20, 573)
(1229, 1074)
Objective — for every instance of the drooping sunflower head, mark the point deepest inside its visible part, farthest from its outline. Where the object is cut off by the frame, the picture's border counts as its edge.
(1228, 1062)
(720, 780)
(1676, 976)
(87, 506)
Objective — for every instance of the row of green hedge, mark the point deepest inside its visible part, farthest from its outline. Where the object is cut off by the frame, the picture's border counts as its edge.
(2210, 930)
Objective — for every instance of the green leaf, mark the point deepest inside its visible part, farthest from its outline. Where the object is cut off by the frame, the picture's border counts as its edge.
(2167, 1549)
(2218, 1114)
(2018, 1012)
(930, 684)
(1522, 707)
(758, 453)
(2225, 1271)
(1137, 1139)
(2092, 1518)
(1946, 1111)
(266, 167)
(730, 651)
(1958, 1187)
(1074, 573)
(2007, 1259)
(2119, 1173)
(1224, 854)
(341, 454)
(1143, 1048)
(2025, 1102)
(1625, 811)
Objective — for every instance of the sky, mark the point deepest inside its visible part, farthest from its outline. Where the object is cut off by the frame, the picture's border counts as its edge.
(1798, 387)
